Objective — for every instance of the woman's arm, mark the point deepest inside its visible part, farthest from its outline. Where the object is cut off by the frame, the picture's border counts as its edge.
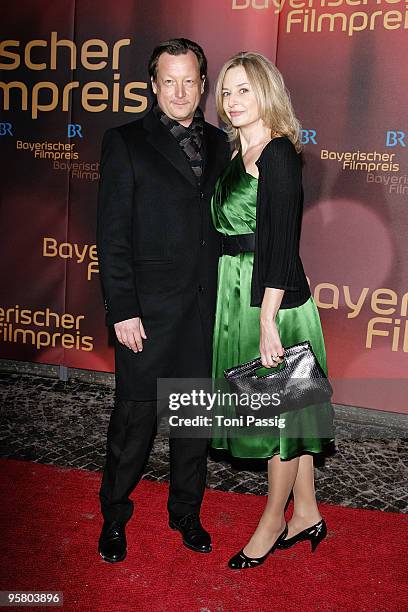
(270, 344)
(280, 171)
(281, 175)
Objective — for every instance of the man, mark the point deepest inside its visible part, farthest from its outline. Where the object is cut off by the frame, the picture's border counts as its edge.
(158, 256)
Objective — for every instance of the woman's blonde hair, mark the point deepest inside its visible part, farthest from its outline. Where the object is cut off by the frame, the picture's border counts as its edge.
(275, 106)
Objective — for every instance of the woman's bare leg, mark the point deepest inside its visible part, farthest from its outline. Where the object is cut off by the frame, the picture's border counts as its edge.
(305, 510)
(281, 478)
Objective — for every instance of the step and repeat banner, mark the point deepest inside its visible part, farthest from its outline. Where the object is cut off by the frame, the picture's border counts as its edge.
(70, 70)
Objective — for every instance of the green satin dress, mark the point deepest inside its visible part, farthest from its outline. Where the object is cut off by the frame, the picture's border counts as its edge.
(236, 332)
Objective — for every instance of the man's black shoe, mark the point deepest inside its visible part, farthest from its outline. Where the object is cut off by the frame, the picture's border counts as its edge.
(194, 535)
(112, 542)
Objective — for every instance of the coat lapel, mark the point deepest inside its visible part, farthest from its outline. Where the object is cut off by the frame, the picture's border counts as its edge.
(165, 144)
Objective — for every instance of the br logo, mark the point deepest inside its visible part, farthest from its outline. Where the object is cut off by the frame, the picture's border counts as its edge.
(308, 136)
(6, 129)
(395, 138)
(74, 130)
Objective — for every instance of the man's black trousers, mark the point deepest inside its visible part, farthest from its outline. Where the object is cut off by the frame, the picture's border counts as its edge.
(131, 431)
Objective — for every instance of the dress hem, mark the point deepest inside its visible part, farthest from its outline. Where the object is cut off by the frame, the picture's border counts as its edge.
(298, 453)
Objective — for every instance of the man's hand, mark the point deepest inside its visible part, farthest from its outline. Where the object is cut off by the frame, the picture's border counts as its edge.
(131, 333)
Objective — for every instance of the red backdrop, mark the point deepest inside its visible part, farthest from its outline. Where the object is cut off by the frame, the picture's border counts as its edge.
(72, 69)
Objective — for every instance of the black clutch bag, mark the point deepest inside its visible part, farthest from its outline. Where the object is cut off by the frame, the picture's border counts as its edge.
(298, 382)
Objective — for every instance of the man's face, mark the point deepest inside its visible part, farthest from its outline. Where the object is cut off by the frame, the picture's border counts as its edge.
(178, 86)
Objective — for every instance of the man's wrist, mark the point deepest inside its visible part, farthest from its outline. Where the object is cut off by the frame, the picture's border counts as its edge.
(113, 318)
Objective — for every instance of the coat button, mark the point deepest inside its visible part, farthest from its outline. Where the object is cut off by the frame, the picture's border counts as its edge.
(200, 288)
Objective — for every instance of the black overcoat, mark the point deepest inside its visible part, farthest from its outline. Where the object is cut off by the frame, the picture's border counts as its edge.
(158, 251)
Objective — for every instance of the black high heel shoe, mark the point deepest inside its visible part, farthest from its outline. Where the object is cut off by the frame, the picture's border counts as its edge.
(315, 534)
(241, 561)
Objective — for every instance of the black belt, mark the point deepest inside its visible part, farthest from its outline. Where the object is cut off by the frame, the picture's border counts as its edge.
(241, 243)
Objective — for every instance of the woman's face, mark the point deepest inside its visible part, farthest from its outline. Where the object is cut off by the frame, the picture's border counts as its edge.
(239, 100)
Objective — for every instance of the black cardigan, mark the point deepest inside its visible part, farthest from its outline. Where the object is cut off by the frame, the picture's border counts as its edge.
(277, 262)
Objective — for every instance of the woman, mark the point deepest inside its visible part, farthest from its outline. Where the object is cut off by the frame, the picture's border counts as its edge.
(264, 302)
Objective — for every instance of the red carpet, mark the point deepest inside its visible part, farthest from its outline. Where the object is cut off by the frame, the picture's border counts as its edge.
(51, 522)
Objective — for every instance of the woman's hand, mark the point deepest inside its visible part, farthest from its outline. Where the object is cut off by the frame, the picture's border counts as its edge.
(270, 346)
